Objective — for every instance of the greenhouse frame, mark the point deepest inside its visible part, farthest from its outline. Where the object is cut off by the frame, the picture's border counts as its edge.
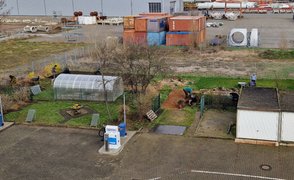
(87, 87)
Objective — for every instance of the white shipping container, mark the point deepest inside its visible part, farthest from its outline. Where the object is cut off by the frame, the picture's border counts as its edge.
(87, 20)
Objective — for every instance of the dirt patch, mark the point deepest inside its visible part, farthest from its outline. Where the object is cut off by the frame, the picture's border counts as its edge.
(69, 113)
(173, 99)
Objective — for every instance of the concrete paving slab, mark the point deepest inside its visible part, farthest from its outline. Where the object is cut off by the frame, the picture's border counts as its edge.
(6, 125)
(169, 129)
(124, 141)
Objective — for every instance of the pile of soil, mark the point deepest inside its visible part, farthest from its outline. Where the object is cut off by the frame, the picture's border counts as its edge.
(174, 97)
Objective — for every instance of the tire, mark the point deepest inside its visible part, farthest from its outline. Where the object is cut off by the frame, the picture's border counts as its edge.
(101, 132)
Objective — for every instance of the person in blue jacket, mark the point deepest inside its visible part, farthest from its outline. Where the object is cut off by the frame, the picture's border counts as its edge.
(187, 91)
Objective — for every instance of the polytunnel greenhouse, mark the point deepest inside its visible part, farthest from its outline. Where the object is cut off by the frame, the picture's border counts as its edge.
(87, 87)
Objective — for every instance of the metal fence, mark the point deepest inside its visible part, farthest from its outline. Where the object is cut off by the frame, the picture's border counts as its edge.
(156, 103)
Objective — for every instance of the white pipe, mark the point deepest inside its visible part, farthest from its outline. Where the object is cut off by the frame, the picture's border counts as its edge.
(222, 5)
(43, 28)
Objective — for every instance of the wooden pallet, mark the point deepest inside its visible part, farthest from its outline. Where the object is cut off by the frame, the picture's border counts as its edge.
(151, 115)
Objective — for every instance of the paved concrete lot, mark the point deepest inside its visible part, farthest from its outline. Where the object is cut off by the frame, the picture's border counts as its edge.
(49, 153)
(215, 124)
(273, 28)
(28, 152)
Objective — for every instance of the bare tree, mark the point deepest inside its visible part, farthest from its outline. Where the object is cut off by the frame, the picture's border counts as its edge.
(138, 65)
(3, 11)
(103, 55)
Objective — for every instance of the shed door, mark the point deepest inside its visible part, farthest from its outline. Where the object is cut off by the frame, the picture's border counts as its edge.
(287, 133)
(257, 125)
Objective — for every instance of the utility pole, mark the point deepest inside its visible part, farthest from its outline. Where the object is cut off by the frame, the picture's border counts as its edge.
(45, 8)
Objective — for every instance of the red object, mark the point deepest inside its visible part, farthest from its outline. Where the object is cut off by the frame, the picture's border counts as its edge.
(187, 23)
(185, 38)
(130, 37)
(141, 24)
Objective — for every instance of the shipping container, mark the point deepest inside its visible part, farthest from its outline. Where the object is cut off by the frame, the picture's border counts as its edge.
(131, 37)
(186, 23)
(156, 38)
(156, 24)
(141, 24)
(129, 22)
(140, 38)
(128, 37)
(184, 38)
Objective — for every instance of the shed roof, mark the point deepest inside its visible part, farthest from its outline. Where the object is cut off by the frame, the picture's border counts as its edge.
(259, 99)
(287, 101)
(78, 81)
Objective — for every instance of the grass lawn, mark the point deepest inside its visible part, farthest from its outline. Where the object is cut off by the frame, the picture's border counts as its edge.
(277, 54)
(48, 110)
(18, 52)
(183, 117)
(48, 113)
(198, 82)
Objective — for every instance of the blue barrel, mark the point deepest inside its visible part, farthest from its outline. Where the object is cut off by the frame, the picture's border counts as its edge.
(122, 129)
(1, 120)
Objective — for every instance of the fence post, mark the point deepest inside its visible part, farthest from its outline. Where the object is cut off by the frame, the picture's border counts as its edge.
(202, 103)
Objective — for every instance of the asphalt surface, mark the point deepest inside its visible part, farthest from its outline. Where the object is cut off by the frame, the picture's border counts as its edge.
(30, 152)
(275, 30)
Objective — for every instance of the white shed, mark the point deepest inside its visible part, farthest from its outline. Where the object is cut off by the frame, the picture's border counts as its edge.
(287, 113)
(258, 114)
(87, 87)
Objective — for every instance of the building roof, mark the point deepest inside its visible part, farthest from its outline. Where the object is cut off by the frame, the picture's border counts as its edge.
(259, 99)
(287, 101)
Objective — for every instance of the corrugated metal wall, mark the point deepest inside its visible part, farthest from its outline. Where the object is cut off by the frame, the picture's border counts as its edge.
(257, 125)
(287, 126)
(67, 7)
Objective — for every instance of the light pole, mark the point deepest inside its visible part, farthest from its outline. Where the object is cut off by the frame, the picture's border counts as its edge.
(17, 6)
(45, 8)
(73, 6)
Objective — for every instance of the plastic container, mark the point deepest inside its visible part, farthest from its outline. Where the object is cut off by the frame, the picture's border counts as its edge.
(1, 120)
(122, 129)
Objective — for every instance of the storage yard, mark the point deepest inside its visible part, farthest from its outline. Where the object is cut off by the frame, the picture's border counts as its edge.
(170, 94)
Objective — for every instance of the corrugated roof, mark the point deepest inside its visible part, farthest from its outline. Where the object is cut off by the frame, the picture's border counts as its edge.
(262, 99)
(78, 81)
(287, 101)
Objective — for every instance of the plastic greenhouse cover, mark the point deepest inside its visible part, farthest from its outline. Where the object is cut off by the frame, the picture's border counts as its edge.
(77, 81)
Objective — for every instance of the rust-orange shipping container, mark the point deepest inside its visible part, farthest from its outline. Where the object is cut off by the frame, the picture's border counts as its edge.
(128, 36)
(140, 38)
(141, 24)
(131, 37)
(185, 38)
(129, 22)
(202, 22)
(202, 36)
(153, 14)
(186, 23)
(178, 39)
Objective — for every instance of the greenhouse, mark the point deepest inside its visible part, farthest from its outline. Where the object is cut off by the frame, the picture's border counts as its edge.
(87, 87)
